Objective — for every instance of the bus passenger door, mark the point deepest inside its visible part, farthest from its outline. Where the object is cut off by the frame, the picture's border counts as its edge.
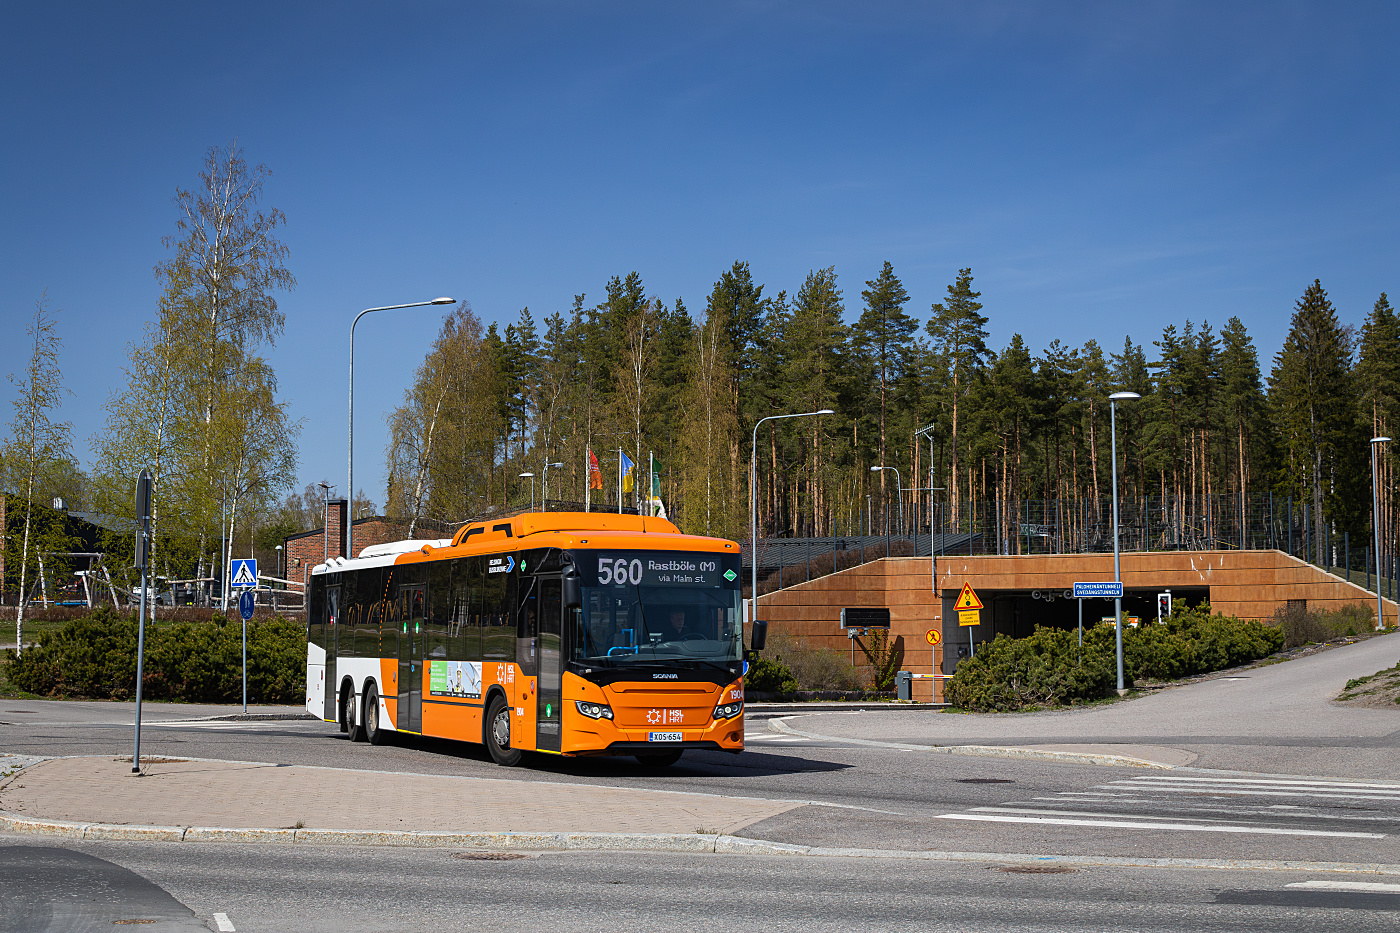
(332, 642)
(410, 718)
(549, 716)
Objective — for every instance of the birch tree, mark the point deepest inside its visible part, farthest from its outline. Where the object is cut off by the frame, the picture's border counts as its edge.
(37, 439)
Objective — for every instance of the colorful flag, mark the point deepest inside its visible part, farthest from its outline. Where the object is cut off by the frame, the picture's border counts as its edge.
(595, 472)
(655, 477)
(626, 467)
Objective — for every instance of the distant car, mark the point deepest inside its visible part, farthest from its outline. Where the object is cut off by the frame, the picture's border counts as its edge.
(166, 598)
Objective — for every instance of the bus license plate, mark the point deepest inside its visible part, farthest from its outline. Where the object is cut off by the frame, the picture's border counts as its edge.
(665, 737)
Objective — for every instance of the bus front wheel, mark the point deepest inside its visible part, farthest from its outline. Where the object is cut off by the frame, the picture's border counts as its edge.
(660, 759)
(497, 737)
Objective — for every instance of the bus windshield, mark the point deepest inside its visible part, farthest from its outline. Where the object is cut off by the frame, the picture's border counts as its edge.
(641, 607)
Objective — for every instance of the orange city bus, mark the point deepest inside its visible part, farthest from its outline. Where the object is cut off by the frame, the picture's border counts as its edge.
(567, 633)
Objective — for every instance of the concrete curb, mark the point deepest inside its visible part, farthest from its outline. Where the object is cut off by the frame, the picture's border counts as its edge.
(696, 843)
(984, 751)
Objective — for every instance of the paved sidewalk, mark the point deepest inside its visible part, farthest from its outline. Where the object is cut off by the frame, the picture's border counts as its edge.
(173, 792)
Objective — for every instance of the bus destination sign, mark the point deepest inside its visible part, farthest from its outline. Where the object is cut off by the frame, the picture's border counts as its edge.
(634, 569)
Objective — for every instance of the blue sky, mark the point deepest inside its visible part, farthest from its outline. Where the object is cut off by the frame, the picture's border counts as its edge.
(1104, 169)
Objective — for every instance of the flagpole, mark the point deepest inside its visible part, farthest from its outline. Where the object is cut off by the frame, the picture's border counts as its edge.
(588, 476)
(651, 482)
(619, 481)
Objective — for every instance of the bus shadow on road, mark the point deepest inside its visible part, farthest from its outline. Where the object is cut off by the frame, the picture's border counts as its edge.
(694, 764)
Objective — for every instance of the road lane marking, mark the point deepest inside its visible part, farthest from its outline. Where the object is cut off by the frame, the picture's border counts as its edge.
(1203, 819)
(1376, 886)
(1250, 792)
(222, 922)
(1273, 782)
(1130, 824)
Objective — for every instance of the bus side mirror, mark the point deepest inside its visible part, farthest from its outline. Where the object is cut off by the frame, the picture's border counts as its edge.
(573, 592)
(760, 636)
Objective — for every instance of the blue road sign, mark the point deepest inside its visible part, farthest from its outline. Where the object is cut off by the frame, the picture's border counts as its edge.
(243, 573)
(1109, 590)
(246, 601)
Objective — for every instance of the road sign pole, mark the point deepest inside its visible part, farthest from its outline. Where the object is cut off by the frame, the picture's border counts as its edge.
(143, 549)
(1081, 622)
(245, 667)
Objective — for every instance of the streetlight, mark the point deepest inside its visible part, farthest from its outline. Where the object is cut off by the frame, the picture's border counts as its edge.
(532, 488)
(350, 459)
(1117, 575)
(753, 498)
(1376, 526)
(325, 521)
(544, 485)
(899, 491)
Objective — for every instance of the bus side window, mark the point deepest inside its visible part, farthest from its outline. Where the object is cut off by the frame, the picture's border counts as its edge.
(498, 631)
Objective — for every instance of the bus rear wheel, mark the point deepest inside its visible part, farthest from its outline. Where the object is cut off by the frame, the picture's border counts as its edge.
(497, 737)
(355, 729)
(373, 731)
(660, 759)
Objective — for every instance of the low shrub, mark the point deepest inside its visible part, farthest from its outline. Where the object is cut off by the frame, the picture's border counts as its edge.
(765, 675)
(1049, 668)
(815, 668)
(1301, 626)
(94, 657)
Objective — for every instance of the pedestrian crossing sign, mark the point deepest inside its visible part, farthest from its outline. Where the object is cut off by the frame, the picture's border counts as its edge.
(243, 573)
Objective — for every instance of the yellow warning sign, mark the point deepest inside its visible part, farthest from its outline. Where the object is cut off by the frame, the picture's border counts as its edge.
(968, 617)
(967, 599)
(933, 636)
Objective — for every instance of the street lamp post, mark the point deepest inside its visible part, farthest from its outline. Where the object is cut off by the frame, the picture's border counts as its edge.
(325, 521)
(1117, 574)
(532, 488)
(899, 490)
(753, 502)
(350, 458)
(1376, 527)
(544, 484)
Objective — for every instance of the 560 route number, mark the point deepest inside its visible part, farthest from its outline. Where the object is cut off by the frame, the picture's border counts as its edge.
(619, 571)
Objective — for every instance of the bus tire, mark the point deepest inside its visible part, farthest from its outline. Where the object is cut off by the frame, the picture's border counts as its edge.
(496, 733)
(355, 730)
(660, 759)
(373, 731)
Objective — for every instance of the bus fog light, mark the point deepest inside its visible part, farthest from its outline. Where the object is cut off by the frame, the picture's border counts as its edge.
(594, 710)
(729, 710)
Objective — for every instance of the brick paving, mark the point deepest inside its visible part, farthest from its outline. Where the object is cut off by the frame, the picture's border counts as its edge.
(173, 792)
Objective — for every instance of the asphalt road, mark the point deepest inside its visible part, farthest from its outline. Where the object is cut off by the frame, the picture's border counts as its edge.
(341, 890)
(1296, 778)
(862, 796)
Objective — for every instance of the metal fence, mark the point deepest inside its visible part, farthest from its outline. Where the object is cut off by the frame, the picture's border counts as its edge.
(1083, 526)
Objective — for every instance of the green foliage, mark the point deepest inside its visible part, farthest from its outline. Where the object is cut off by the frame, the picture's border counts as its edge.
(815, 668)
(95, 658)
(1300, 626)
(1049, 668)
(767, 675)
(885, 657)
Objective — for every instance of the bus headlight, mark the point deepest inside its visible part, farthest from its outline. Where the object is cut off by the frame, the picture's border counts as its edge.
(594, 710)
(729, 710)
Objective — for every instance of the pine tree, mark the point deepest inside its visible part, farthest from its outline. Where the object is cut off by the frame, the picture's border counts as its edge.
(1310, 387)
(1378, 381)
(959, 332)
(1243, 405)
(883, 334)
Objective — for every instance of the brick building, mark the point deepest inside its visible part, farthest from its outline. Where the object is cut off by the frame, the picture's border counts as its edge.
(307, 549)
